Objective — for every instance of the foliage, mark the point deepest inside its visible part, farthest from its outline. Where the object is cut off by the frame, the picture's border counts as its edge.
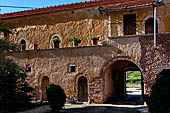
(133, 79)
(7, 47)
(159, 99)
(56, 39)
(5, 28)
(56, 97)
(75, 39)
(14, 89)
(4, 45)
(95, 38)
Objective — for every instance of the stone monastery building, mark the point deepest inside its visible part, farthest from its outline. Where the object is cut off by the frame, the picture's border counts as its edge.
(93, 69)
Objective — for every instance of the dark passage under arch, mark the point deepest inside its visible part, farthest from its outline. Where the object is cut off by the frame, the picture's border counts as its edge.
(115, 80)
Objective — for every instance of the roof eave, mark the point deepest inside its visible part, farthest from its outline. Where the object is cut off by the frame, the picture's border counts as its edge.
(125, 9)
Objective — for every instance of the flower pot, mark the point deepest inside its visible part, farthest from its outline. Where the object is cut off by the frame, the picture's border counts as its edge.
(56, 44)
(95, 42)
(75, 44)
(35, 46)
(23, 47)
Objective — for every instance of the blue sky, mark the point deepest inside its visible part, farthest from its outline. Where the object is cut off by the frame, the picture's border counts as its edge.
(31, 3)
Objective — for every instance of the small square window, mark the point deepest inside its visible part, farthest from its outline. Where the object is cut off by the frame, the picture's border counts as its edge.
(72, 68)
(28, 69)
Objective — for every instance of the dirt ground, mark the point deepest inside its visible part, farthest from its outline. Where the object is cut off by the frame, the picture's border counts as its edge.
(102, 108)
(131, 104)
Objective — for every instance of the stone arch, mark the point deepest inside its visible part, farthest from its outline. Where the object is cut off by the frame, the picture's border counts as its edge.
(146, 18)
(86, 90)
(19, 44)
(51, 41)
(108, 63)
(113, 74)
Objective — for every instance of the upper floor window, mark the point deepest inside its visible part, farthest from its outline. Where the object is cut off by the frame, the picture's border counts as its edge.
(55, 42)
(23, 45)
(149, 26)
(35, 46)
(129, 22)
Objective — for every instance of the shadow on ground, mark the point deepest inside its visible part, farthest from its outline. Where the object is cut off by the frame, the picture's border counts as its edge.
(100, 109)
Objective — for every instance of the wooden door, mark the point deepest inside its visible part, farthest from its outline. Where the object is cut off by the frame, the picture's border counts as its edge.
(82, 89)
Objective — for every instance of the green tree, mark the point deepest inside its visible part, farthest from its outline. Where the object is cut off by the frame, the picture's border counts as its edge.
(159, 100)
(5, 28)
(14, 89)
(56, 97)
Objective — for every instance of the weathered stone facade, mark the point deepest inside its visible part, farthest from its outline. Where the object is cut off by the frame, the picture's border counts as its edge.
(83, 23)
(153, 60)
(102, 66)
(92, 63)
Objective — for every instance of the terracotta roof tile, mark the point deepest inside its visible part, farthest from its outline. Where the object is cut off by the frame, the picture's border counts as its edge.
(66, 7)
(130, 5)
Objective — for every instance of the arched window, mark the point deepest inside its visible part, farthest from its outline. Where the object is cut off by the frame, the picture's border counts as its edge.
(23, 45)
(149, 26)
(55, 42)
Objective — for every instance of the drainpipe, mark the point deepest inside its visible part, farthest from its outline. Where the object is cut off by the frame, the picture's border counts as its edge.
(155, 8)
(110, 26)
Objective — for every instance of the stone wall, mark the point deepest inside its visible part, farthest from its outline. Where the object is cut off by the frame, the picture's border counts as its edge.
(141, 49)
(39, 29)
(154, 59)
(54, 63)
(83, 23)
(92, 63)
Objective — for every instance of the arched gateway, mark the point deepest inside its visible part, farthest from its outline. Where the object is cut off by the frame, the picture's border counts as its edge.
(115, 79)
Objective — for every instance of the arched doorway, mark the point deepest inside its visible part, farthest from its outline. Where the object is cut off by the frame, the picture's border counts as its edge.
(82, 89)
(115, 81)
(44, 84)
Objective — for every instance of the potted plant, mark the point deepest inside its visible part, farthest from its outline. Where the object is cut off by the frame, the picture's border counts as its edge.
(56, 41)
(75, 41)
(95, 40)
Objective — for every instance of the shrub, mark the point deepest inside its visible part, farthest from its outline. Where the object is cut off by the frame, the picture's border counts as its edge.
(95, 38)
(56, 97)
(75, 39)
(159, 100)
(56, 39)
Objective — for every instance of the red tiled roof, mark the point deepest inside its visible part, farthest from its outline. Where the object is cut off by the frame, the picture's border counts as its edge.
(132, 5)
(65, 7)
